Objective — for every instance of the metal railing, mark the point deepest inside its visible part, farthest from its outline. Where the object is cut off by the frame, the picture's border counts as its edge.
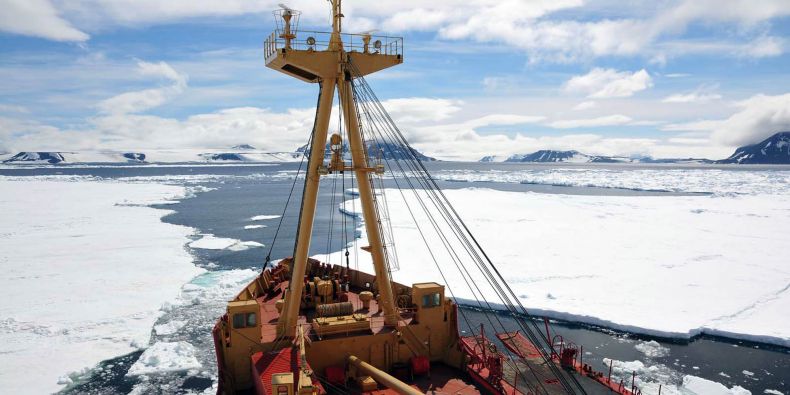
(307, 40)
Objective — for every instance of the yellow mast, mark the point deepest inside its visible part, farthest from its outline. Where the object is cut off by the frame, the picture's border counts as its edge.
(329, 68)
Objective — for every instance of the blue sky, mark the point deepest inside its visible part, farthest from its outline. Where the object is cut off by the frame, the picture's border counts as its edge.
(661, 78)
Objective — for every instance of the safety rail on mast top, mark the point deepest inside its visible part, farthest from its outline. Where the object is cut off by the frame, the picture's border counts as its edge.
(309, 55)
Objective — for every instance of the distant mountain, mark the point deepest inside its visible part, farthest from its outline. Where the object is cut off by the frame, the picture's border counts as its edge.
(243, 147)
(647, 159)
(388, 150)
(490, 158)
(223, 156)
(149, 157)
(573, 156)
(134, 156)
(552, 156)
(36, 157)
(774, 150)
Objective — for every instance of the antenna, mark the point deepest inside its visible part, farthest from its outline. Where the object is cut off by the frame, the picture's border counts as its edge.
(366, 36)
(290, 22)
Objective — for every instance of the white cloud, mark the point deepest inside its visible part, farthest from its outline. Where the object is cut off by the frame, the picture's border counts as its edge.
(10, 108)
(416, 109)
(38, 18)
(693, 126)
(691, 97)
(641, 29)
(763, 47)
(585, 105)
(137, 101)
(606, 83)
(609, 120)
(700, 95)
(757, 118)
(444, 136)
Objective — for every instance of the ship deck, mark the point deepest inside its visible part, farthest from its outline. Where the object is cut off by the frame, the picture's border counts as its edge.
(443, 380)
(524, 371)
(269, 315)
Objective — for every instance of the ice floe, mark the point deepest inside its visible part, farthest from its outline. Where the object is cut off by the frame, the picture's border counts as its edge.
(254, 226)
(698, 385)
(211, 242)
(643, 264)
(163, 357)
(648, 378)
(264, 217)
(86, 268)
(652, 349)
(169, 327)
(740, 180)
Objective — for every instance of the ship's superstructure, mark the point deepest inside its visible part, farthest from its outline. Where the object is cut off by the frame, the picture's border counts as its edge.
(307, 327)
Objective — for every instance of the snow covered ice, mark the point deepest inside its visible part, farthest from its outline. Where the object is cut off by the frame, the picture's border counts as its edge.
(211, 242)
(672, 266)
(95, 291)
(704, 179)
(264, 217)
(165, 357)
(649, 377)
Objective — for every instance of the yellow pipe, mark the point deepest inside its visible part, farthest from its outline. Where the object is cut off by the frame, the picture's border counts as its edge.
(383, 377)
(286, 325)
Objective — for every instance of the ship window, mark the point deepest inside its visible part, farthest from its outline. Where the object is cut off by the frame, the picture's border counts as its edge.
(282, 390)
(238, 321)
(251, 322)
(431, 300)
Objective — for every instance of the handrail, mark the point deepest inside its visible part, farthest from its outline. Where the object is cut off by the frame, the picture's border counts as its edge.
(309, 40)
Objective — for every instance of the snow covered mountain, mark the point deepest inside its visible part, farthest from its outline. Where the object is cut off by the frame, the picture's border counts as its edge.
(241, 153)
(552, 156)
(388, 151)
(243, 147)
(774, 150)
(572, 156)
(491, 158)
(36, 157)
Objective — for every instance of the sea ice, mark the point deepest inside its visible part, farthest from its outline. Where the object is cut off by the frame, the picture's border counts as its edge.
(86, 268)
(703, 179)
(169, 327)
(644, 264)
(698, 385)
(165, 357)
(264, 217)
(652, 349)
(211, 242)
(648, 378)
(254, 226)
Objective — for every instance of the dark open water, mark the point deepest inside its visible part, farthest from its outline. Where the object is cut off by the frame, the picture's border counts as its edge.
(241, 192)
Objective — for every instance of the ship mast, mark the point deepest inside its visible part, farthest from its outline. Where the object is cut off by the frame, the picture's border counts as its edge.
(331, 69)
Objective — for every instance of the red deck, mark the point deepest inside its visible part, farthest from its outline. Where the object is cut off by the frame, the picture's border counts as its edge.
(525, 349)
(264, 365)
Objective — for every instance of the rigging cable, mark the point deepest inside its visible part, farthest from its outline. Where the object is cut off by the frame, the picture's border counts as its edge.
(455, 258)
(464, 235)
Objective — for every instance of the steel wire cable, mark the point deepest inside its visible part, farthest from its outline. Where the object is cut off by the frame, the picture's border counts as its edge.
(461, 230)
(456, 261)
